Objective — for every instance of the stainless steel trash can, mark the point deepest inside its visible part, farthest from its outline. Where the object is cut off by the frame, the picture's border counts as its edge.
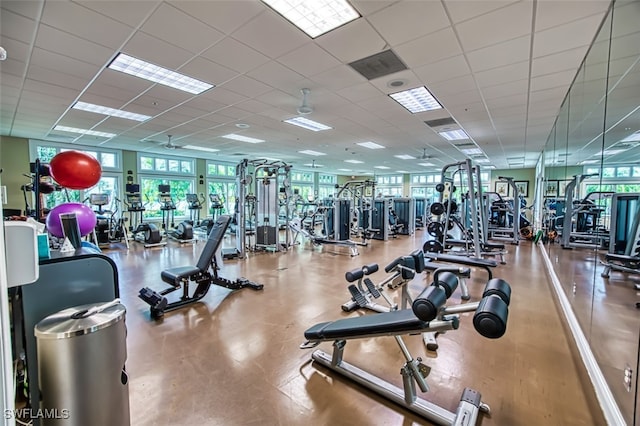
(81, 357)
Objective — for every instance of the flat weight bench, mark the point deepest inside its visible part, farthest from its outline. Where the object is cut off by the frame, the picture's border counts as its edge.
(622, 263)
(181, 276)
(428, 314)
(463, 260)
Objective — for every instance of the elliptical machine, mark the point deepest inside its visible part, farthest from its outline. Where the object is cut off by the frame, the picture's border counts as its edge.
(183, 233)
(147, 234)
(109, 228)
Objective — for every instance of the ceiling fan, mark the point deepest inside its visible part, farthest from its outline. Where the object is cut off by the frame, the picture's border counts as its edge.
(304, 108)
(425, 156)
(167, 145)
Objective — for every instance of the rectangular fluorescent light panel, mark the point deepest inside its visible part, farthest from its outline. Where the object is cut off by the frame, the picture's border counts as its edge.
(354, 161)
(313, 165)
(200, 148)
(370, 145)
(611, 152)
(471, 151)
(310, 152)
(482, 160)
(381, 167)
(84, 131)
(405, 157)
(633, 137)
(315, 17)
(139, 68)
(402, 171)
(426, 164)
(99, 109)
(454, 135)
(589, 162)
(305, 123)
(345, 170)
(416, 100)
(242, 138)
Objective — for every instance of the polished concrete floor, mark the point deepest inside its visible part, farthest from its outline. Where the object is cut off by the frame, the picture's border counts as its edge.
(234, 359)
(606, 311)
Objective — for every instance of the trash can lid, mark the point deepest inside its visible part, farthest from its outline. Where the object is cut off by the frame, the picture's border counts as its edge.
(79, 320)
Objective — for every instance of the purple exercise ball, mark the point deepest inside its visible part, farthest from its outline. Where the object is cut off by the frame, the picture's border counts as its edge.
(84, 215)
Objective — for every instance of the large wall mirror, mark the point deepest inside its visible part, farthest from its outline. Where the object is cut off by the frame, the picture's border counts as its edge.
(591, 198)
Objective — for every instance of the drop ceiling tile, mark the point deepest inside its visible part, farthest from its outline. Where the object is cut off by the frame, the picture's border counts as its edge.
(247, 86)
(219, 96)
(179, 29)
(158, 52)
(499, 55)
(496, 27)
(564, 37)
(452, 87)
(519, 87)
(505, 74)
(132, 15)
(86, 23)
(549, 81)
(555, 13)
(355, 40)
(368, 7)
(28, 9)
(13, 68)
(443, 70)
(60, 63)
(16, 26)
(407, 76)
(308, 60)
(359, 92)
(464, 10)
(429, 49)
(235, 55)
(338, 78)
(16, 50)
(225, 16)
(276, 75)
(57, 41)
(417, 17)
(281, 38)
(57, 78)
(208, 71)
(567, 60)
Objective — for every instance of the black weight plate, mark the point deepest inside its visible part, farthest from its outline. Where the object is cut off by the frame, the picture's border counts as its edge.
(437, 209)
(435, 229)
(433, 246)
(440, 187)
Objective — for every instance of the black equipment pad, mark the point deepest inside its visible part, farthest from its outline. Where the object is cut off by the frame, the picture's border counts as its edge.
(174, 275)
(463, 260)
(394, 322)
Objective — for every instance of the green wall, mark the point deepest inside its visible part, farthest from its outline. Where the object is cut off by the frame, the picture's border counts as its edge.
(517, 175)
(14, 161)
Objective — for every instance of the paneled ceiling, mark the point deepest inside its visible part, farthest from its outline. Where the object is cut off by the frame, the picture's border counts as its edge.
(500, 69)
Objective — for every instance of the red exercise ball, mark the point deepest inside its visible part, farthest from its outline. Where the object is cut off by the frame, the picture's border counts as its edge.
(75, 170)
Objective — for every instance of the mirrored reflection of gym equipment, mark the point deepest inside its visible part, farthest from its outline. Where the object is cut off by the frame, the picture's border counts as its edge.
(144, 233)
(264, 188)
(360, 195)
(624, 245)
(581, 226)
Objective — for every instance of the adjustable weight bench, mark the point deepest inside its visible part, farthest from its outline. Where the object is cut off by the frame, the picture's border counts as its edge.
(204, 273)
(428, 314)
(463, 260)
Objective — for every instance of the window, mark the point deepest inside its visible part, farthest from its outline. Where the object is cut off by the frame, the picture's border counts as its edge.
(220, 169)
(390, 185)
(45, 151)
(326, 185)
(226, 192)
(109, 183)
(179, 190)
(164, 165)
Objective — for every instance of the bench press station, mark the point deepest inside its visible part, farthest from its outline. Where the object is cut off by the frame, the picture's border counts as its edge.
(428, 314)
(179, 277)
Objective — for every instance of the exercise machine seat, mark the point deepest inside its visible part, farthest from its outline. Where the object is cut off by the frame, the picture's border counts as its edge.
(175, 275)
(463, 260)
(394, 322)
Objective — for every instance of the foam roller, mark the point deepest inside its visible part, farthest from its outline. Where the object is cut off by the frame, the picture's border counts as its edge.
(448, 281)
(428, 303)
(490, 318)
(498, 287)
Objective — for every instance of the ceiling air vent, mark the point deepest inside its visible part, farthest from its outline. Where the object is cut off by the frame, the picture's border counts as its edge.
(378, 65)
(464, 145)
(441, 122)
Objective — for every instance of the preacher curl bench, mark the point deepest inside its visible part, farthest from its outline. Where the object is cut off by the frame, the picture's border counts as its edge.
(428, 314)
(204, 273)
